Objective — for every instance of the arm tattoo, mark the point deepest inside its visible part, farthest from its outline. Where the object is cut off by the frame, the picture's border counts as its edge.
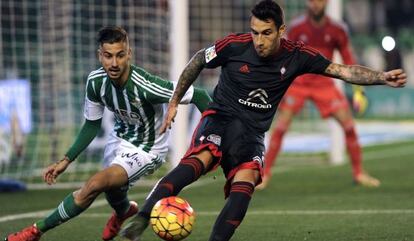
(189, 75)
(355, 74)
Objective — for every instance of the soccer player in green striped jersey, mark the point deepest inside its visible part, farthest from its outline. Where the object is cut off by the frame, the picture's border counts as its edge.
(135, 148)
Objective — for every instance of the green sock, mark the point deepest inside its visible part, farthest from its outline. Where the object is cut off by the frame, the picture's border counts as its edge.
(66, 210)
(118, 200)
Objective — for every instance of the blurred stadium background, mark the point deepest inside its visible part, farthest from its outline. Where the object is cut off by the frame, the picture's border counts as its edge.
(48, 47)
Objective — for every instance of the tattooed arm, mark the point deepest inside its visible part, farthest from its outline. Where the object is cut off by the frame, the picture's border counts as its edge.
(361, 75)
(187, 77)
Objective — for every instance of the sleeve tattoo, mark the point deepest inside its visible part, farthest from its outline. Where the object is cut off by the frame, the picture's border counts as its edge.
(189, 75)
(355, 74)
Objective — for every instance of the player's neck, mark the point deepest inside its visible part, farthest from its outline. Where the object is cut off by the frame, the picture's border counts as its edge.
(318, 21)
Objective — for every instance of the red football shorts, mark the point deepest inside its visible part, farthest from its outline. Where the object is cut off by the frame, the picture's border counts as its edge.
(327, 99)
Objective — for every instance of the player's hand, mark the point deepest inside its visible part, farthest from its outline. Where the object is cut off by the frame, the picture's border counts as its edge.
(359, 101)
(396, 78)
(169, 117)
(54, 170)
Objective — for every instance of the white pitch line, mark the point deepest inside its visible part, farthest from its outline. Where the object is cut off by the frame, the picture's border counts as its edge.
(41, 214)
(332, 212)
(102, 202)
(301, 212)
(369, 156)
(97, 203)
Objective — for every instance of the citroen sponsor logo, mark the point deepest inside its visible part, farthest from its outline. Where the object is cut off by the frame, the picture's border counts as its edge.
(257, 99)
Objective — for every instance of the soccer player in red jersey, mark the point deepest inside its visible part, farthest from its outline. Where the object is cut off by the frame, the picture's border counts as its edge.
(324, 34)
(256, 70)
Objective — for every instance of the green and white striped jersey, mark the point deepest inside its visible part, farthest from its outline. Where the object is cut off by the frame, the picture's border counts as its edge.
(139, 106)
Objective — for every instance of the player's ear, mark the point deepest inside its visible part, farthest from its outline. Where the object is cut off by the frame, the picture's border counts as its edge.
(99, 54)
(282, 30)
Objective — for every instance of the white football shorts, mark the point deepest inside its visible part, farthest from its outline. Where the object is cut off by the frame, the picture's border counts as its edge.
(136, 162)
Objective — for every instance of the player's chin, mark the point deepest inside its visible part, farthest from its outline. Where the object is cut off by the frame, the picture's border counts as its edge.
(114, 75)
(262, 54)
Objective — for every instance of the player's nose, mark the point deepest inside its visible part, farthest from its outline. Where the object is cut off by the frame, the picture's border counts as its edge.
(260, 40)
(114, 62)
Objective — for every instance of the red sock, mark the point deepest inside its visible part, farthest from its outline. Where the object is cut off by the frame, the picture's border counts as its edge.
(353, 147)
(274, 148)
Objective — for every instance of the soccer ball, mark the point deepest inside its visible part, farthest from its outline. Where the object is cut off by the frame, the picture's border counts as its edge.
(172, 218)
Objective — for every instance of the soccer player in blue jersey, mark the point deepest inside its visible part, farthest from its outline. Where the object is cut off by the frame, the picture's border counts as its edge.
(256, 70)
(135, 148)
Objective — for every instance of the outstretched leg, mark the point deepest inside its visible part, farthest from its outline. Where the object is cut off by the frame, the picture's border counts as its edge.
(76, 202)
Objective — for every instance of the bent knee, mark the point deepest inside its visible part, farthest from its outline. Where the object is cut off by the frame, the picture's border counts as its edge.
(247, 175)
(91, 190)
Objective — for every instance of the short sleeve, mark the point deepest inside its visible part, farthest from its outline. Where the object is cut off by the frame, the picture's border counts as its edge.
(157, 90)
(93, 108)
(311, 61)
(213, 59)
(219, 53)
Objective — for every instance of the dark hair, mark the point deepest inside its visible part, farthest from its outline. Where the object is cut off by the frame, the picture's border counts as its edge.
(268, 9)
(111, 34)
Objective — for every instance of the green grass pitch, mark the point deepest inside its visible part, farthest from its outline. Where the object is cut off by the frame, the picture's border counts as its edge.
(303, 202)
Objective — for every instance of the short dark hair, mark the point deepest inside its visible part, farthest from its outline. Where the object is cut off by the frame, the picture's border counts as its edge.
(111, 34)
(268, 9)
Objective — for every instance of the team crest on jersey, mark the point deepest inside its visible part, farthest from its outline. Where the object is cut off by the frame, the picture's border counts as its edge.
(303, 38)
(216, 139)
(210, 53)
(283, 70)
(136, 103)
(327, 38)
